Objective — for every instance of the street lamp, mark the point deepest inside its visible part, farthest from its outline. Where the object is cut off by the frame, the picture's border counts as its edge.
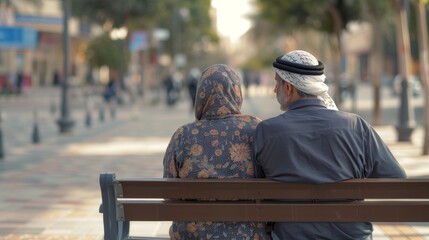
(65, 123)
(119, 34)
(180, 15)
(406, 122)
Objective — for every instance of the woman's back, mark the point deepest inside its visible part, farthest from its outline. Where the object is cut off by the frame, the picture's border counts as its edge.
(216, 145)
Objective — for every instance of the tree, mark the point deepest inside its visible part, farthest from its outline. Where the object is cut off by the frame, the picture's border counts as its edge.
(118, 13)
(329, 16)
(103, 51)
(375, 12)
(148, 14)
(197, 27)
(406, 117)
(261, 36)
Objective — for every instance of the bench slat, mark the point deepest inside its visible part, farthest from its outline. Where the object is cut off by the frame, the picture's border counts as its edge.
(373, 211)
(124, 200)
(230, 189)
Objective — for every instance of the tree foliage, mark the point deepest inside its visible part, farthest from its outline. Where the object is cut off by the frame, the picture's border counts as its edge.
(118, 13)
(313, 14)
(146, 14)
(329, 16)
(150, 14)
(103, 51)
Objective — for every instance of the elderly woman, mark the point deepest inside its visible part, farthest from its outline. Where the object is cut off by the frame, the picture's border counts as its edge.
(215, 145)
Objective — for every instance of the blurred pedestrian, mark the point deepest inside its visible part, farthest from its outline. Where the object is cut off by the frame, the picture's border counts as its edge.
(109, 92)
(313, 142)
(173, 86)
(56, 79)
(19, 82)
(192, 81)
(168, 86)
(215, 145)
(246, 81)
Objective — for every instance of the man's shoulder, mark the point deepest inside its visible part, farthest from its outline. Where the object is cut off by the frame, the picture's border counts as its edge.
(352, 117)
(273, 121)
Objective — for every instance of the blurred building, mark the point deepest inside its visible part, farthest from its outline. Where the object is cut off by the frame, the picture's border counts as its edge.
(31, 42)
(357, 45)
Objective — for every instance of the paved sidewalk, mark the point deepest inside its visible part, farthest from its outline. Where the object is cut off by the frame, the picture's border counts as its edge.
(50, 190)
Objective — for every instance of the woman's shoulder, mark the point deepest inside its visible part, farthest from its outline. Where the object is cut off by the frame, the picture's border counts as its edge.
(249, 118)
(180, 130)
(189, 127)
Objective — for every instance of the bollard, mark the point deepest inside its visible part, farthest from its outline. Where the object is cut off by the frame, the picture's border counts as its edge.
(101, 114)
(35, 136)
(1, 137)
(88, 119)
(53, 108)
(112, 112)
(406, 114)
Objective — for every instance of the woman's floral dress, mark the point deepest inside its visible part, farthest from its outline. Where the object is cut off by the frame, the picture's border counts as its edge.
(216, 145)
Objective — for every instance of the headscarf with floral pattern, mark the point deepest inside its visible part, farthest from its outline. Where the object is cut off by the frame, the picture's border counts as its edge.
(218, 93)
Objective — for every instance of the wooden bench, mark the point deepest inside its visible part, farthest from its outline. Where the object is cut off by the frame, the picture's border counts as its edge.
(373, 200)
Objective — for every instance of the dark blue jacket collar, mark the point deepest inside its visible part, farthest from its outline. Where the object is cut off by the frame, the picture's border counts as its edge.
(307, 102)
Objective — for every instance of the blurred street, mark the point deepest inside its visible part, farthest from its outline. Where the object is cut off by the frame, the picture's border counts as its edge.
(50, 190)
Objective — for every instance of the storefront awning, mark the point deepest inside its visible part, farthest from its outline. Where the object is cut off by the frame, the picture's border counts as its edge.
(17, 37)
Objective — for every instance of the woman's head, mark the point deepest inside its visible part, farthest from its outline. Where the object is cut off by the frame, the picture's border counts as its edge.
(218, 93)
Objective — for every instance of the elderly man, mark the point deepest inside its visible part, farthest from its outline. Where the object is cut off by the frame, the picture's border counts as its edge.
(313, 142)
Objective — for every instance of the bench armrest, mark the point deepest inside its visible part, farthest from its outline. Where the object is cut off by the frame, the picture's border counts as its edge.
(113, 228)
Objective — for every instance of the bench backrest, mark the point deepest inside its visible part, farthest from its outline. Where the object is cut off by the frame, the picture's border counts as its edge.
(375, 200)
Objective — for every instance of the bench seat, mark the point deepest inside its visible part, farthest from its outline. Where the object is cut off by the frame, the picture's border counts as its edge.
(356, 200)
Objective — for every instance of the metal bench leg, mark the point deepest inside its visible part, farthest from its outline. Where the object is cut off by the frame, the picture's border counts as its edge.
(113, 229)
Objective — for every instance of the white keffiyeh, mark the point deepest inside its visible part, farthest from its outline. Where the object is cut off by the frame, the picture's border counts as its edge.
(310, 84)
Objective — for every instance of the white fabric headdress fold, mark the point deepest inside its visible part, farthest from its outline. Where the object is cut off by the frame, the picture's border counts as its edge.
(308, 81)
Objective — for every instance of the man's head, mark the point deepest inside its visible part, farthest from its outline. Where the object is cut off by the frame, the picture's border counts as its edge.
(286, 93)
(300, 75)
(283, 91)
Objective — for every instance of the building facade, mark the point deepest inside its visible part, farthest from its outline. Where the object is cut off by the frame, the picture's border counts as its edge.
(31, 44)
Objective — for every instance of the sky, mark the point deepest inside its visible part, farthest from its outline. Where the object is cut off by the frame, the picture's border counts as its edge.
(231, 21)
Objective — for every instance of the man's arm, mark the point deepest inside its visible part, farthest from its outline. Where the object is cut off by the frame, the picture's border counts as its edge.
(257, 146)
(380, 161)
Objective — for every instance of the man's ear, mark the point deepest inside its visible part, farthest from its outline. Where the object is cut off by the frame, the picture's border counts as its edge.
(288, 88)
